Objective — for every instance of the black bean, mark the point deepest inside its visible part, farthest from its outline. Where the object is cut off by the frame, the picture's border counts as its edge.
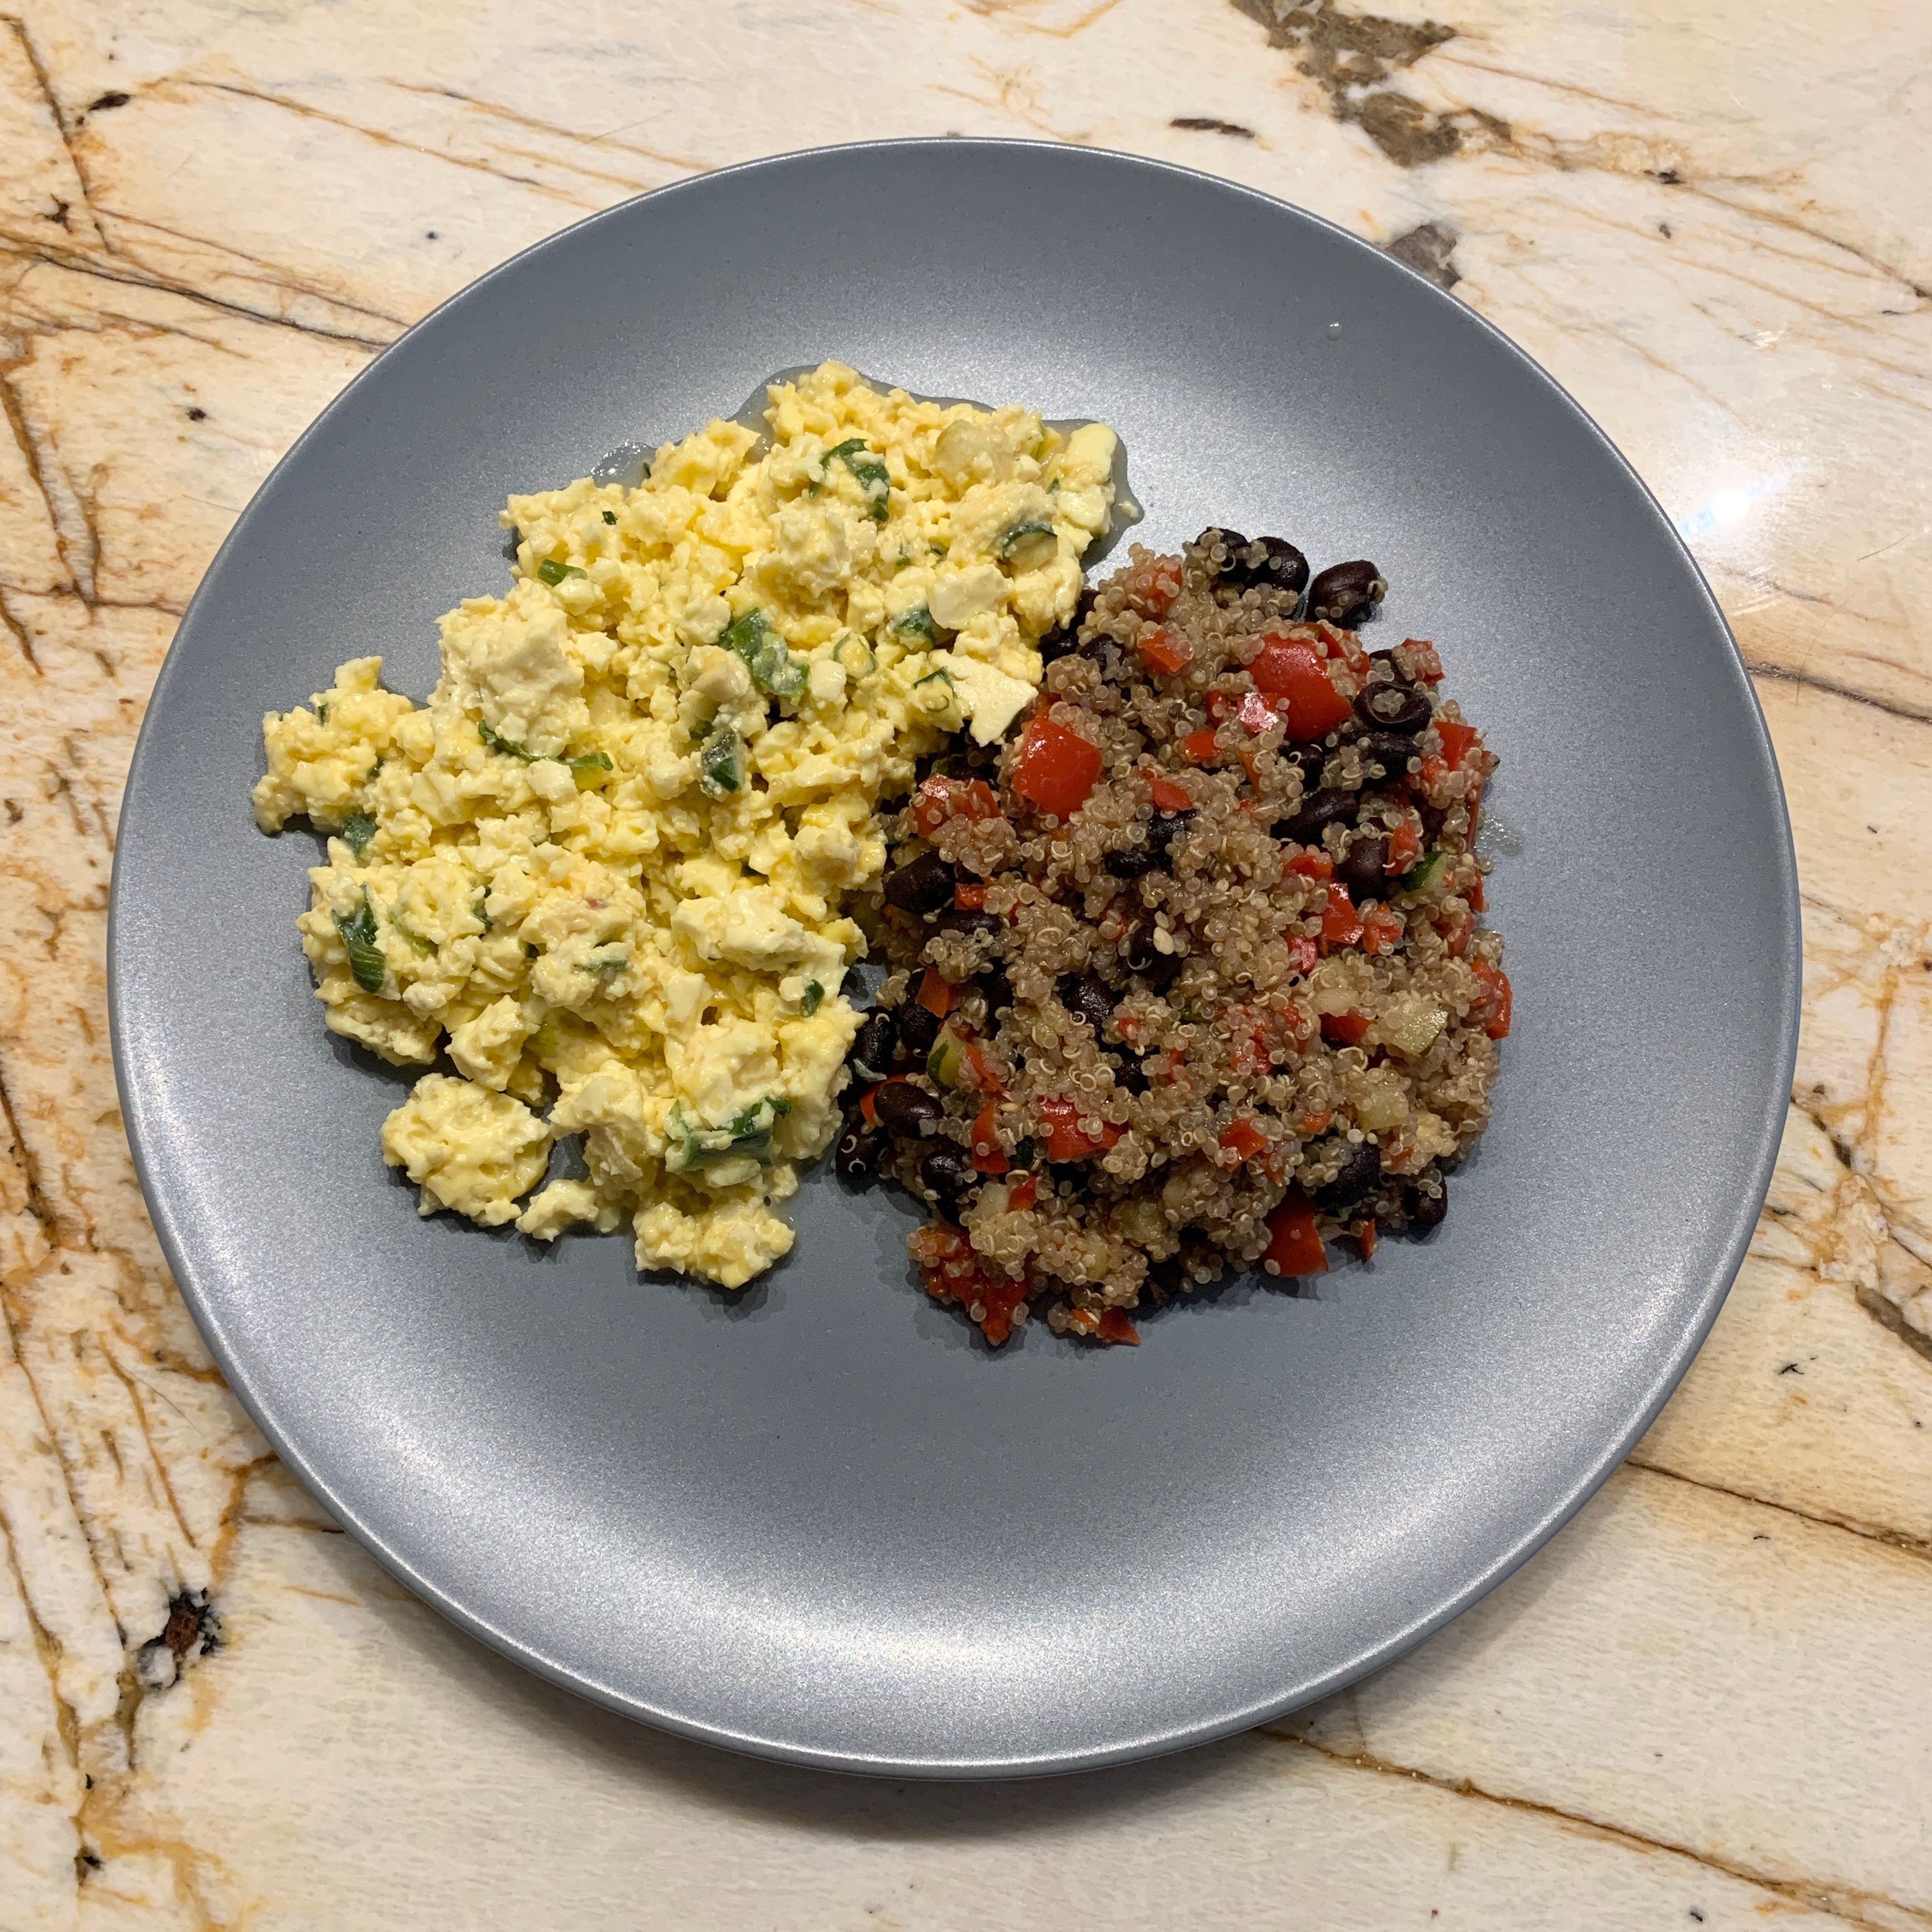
(905, 1111)
(1164, 828)
(1278, 566)
(1086, 999)
(1063, 640)
(1361, 867)
(919, 1028)
(1127, 1074)
(947, 1170)
(1134, 862)
(1230, 540)
(923, 884)
(856, 1158)
(996, 989)
(1161, 971)
(1388, 750)
(1392, 707)
(1346, 593)
(872, 1054)
(1142, 955)
(1423, 1209)
(1361, 1173)
(1325, 809)
(969, 925)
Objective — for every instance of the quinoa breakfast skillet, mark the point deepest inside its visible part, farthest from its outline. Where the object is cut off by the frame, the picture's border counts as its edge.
(820, 1518)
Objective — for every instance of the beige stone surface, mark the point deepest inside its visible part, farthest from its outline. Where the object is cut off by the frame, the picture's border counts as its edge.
(1710, 1699)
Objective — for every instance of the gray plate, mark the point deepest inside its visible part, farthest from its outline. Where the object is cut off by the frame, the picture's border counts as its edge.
(820, 1521)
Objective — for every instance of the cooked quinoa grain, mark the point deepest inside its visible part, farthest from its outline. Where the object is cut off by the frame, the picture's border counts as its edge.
(1188, 975)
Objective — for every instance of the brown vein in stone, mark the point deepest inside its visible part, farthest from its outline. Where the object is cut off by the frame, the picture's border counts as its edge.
(1891, 1318)
(32, 249)
(51, 100)
(1908, 1545)
(154, 1456)
(1848, 1903)
(380, 137)
(276, 275)
(19, 632)
(531, 121)
(1777, 219)
(28, 1162)
(1006, 11)
(1444, 58)
(28, 445)
(1784, 674)
(47, 1645)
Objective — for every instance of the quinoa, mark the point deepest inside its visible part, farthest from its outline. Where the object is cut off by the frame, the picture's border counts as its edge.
(1187, 977)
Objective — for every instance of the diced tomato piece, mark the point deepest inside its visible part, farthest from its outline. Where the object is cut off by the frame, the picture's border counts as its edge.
(1198, 748)
(936, 993)
(1244, 1140)
(1364, 1232)
(954, 1272)
(1405, 847)
(1023, 1193)
(1310, 864)
(1316, 1122)
(1456, 739)
(1166, 795)
(1341, 924)
(1056, 768)
(1289, 667)
(1164, 652)
(940, 799)
(1257, 714)
(1434, 771)
(982, 1076)
(1457, 930)
(1066, 1139)
(1382, 929)
(1494, 1007)
(1294, 1247)
(989, 1156)
(1343, 1029)
(1475, 895)
(1304, 950)
(1422, 656)
(969, 898)
(1347, 646)
(1114, 1327)
(1156, 586)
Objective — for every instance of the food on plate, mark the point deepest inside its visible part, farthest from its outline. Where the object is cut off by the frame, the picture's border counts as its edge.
(1187, 975)
(604, 875)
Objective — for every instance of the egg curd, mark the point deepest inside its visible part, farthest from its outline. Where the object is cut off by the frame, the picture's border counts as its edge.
(603, 869)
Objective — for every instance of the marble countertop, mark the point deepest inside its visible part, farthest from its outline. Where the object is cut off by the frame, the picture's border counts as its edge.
(1710, 1699)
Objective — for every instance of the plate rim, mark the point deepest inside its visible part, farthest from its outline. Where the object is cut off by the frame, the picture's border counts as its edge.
(259, 1404)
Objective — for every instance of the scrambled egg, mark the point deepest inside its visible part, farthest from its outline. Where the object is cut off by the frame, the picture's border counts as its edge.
(603, 869)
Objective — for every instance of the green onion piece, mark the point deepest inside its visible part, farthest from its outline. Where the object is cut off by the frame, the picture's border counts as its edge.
(482, 911)
(357, 829)
(607, 962)
(553, 572)
(1030, 538)
(917, 622)
(586, 767)
(721, 764)
(366, 960)
(610, 516)
(812, 999)
(322, 713)
(773, 668)
(868, 471)
(496, 743)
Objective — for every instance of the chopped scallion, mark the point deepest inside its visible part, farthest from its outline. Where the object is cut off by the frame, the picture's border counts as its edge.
(366, 960)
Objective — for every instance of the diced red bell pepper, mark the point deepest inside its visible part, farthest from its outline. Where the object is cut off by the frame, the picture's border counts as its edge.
(1166, 795)
(954, 1272)
(1294, 1247)
(1457, 929)
(1310, 864)
(1244, 1140)
(1198, 748)
(1428, 667)
(1456, 739)
(1404, 848)
(1364, 1232)
(969, 898)
(1114, 1327)
(1341, 924)
(936, 993)
(1154, 586)
(940, 799)
(1494, 1007)
(1343, 1029)
(1056, 768)
(989, 1156)
(982, 1076)
(1257, 714)
(1164, 652)
(1022, 1193)
(1289, 667)
(1304, 952)
(1382, 929)
(1066, 1139)
(1478, 899)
